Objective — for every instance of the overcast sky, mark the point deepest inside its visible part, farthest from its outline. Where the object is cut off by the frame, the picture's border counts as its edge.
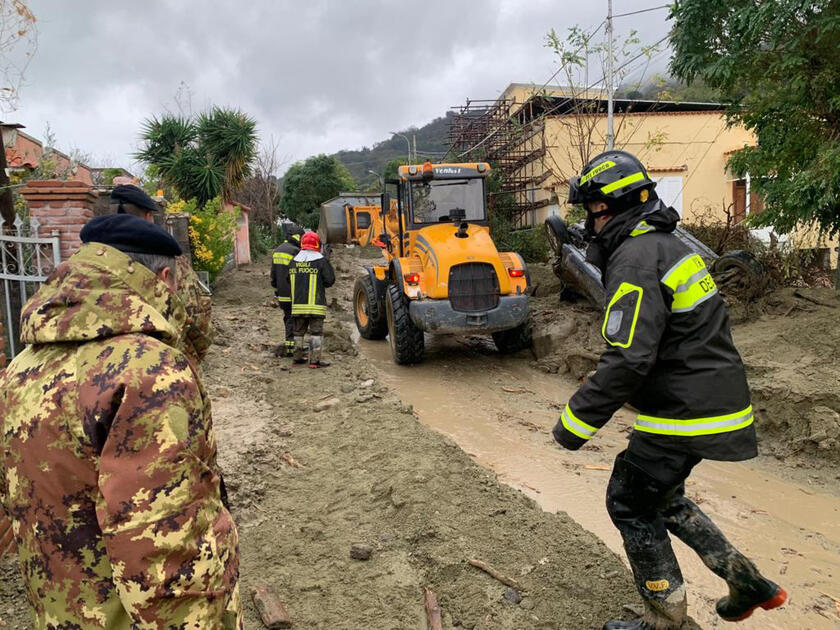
(318, 75)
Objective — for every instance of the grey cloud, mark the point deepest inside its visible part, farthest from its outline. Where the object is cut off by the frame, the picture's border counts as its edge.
(319, 75)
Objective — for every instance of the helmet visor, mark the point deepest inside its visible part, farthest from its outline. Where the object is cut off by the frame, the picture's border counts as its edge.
(575, 194)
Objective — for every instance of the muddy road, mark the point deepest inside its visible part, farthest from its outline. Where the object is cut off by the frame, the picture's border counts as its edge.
(452, 460)
(784, 512)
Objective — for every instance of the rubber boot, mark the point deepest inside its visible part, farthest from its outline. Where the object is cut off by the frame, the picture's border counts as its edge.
(667, 614)
(315, 343)
(299, 351)
(740, 604)
(660, 583)
(748, 589)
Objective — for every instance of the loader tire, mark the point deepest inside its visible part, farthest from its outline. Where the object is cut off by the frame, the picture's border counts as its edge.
(368, 310)
(557, 233)
(515, 339)
(405, 337)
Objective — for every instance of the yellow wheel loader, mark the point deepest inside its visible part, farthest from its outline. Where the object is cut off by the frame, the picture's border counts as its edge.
(442, 272)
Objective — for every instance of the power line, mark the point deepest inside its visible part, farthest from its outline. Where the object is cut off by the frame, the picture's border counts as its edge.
(587, 37)
(664, 6)
(565, 100)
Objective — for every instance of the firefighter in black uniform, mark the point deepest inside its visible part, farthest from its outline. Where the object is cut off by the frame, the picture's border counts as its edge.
(281, 258)
(669, 354)
(310, 274)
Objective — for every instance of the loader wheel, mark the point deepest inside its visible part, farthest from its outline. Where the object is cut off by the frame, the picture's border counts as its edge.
(740, 273)
(557, 233)
(406, 339)
(369, 312)
(515, 339)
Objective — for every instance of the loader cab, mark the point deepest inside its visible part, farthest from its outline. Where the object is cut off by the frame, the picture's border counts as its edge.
(443, 193)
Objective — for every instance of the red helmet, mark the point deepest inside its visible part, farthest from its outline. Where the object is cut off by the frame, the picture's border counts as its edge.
(310, 240)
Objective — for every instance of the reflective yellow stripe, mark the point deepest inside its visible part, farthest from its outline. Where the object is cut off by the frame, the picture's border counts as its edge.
(625, 288)
(691, 283)
(697, 426)
(624, 181)
(304, 309)
(575, 425)
(279, 258)
(282, 298)
(642, 227)
(603, 166)
(313, 287)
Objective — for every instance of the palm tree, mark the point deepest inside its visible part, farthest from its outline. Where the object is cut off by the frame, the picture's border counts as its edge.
(203, 158)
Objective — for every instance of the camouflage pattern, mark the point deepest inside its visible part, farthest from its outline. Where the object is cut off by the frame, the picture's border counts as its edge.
(108, 464)
(199, 326)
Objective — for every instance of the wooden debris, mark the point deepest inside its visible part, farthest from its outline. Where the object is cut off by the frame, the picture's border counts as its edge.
(433, 615)
(814, 300)
(516, 390)
(597, 467)
(291, 461)
(272, 611)
(507, 581)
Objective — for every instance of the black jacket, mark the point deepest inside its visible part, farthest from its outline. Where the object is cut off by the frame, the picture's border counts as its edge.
(280, 260)
(670, 352)
(310, 274)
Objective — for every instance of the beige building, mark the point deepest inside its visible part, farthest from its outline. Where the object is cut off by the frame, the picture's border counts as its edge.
(539, 136)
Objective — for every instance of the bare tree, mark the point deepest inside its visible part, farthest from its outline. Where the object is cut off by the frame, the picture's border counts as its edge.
(581, 127)
(18, 43)
(262, 190)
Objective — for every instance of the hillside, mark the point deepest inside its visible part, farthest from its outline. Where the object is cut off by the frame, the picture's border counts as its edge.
(431, 143)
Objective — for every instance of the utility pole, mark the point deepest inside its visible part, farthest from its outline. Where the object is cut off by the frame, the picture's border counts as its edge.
(610, 132)
(414, 142)
(407, 142)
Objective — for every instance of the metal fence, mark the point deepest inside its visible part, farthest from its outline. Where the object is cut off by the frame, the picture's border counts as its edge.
(26, 260)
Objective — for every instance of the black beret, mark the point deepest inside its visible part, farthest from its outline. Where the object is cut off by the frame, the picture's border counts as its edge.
(130, 234)
(133, 195)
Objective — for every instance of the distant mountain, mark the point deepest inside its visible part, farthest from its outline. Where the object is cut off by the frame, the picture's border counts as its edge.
(431, 144)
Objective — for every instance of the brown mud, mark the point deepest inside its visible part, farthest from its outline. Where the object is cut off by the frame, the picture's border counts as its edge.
(782, 512)
(318, 460)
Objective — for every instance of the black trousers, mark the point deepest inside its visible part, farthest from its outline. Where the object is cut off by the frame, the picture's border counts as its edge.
(288, 322)
(646, 501)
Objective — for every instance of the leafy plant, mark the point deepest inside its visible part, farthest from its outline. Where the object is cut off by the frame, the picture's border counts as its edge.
(778, 63)
(308, 184)
(203, 157)
(212, 234)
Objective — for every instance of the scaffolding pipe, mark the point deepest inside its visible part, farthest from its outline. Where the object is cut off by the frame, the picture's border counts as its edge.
(610, 131)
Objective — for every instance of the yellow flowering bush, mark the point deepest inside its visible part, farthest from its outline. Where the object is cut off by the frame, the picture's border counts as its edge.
(212, 233)
(180, 206)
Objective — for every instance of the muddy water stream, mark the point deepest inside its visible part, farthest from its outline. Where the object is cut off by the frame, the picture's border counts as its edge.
(501, 411)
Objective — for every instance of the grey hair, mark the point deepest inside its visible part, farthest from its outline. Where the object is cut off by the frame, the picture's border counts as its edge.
(155, 262)
(130, 208)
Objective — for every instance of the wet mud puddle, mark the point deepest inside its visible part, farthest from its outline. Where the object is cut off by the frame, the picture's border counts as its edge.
(501, 411)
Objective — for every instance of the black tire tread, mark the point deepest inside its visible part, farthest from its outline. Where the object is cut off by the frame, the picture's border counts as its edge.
(377, 327)
(514, 339)
(407, 344)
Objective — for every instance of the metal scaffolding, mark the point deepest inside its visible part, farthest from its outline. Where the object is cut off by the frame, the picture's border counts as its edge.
(511, 138)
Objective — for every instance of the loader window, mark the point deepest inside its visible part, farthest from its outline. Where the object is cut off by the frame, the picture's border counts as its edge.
(437, 201)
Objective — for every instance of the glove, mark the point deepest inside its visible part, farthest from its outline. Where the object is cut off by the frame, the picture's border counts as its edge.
(566, 439)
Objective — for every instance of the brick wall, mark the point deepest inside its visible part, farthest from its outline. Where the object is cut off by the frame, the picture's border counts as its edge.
(62, 207)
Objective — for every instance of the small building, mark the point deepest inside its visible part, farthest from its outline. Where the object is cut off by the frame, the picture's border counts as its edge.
(540, 136)
(25, 153)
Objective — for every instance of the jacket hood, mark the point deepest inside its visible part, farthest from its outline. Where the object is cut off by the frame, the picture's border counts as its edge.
(653, 216)
(99, 293)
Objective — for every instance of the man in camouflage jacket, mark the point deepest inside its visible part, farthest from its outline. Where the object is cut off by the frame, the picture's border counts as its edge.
(199, 332)
(108, 463)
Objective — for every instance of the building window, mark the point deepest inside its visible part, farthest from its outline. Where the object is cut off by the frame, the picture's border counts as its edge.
(670, 191)
(740, 194)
